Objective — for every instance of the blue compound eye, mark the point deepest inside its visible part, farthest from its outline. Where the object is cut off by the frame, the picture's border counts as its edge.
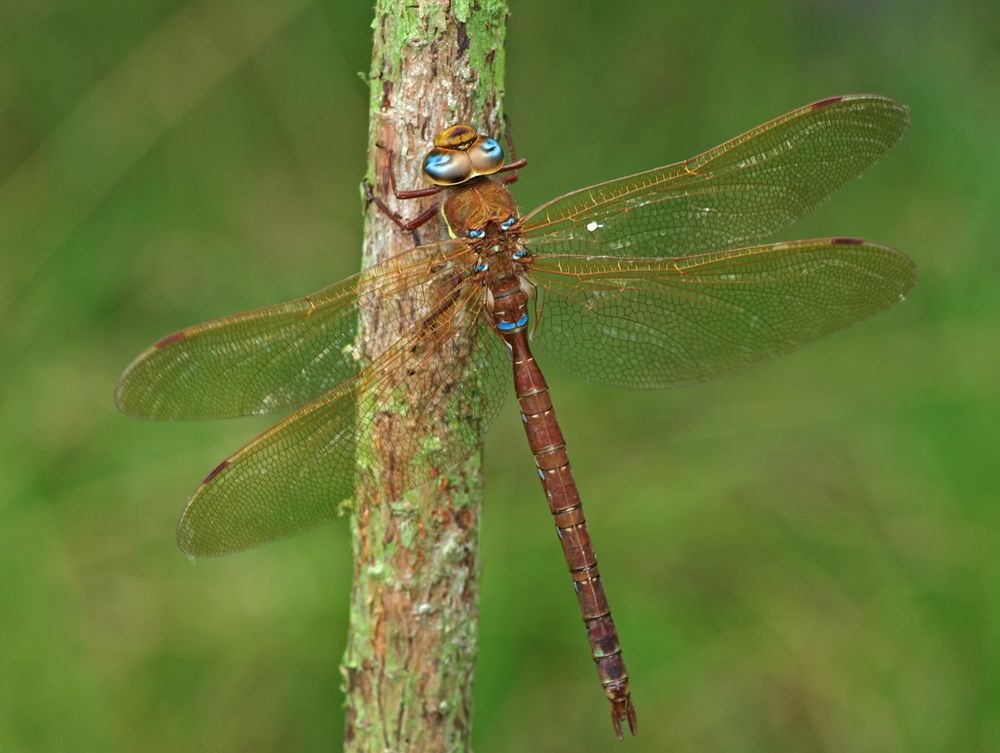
(491, 147)
(445, 167)
(481, 267)
(477, 233)
(508, 223)
(486, 156)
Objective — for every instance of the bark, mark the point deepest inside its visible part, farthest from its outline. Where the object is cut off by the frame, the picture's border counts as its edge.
(408, 666)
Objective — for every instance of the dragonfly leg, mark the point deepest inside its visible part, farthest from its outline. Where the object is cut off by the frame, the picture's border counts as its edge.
(509, 137)
(405, 225)
(512, 178)
(513, 168)
(417, 193)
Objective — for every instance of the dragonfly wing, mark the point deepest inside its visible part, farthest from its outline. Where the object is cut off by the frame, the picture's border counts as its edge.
(640, 322)
(277, 357)
(737, 194)
(300, 473)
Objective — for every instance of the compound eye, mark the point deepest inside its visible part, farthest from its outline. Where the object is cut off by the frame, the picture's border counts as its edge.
(477, 233)
(508, 223)
(486, 156)
(446, 167)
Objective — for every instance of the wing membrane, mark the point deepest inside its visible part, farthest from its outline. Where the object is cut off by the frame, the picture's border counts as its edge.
(736, 194)
(661, 322)
(298, 474)
(277, 357)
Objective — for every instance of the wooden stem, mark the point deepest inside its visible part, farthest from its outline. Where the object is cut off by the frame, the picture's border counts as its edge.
(409, 661)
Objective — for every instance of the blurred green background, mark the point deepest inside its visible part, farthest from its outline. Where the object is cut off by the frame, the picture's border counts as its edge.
(800, 558)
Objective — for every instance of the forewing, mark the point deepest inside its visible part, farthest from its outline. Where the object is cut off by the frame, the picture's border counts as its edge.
(277, 357)
(738, 194)
(450, 376)
(661, 322)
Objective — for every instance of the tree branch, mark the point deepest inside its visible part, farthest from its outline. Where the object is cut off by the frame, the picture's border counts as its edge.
(408, 666)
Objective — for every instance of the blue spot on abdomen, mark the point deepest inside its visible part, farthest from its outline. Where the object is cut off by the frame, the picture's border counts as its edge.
(508, 326)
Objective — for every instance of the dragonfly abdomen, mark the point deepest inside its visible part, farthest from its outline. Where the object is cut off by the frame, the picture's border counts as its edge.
(549, 448)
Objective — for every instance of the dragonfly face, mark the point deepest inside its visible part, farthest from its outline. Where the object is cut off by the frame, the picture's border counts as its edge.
(461, 154)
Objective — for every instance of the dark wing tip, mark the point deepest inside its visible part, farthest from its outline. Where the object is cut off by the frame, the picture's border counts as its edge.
(887, 118)
(866, 99)
(171, 338)
(216, 471)
(126, 395)
(187, 537)
(904, 267)
(123, 400)
(825, 102)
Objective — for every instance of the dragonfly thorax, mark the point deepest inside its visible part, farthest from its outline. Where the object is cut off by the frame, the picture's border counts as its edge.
(480, 210)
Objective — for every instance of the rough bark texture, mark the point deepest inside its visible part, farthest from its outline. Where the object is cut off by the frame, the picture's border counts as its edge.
(409, 661)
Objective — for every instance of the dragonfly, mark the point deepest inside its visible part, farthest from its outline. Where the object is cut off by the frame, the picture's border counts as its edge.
(661, 278)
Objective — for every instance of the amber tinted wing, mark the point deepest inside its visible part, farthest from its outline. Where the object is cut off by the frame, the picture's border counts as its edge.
(737, 194)
(277, 357)
(453, 372)
(642, 322)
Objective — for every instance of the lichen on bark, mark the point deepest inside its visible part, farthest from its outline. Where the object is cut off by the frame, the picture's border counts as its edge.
(409, 661)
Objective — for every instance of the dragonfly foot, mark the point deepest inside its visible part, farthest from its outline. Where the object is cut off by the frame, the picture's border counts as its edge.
(623, 710)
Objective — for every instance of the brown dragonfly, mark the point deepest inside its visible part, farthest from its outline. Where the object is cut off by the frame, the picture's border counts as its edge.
(657, 279)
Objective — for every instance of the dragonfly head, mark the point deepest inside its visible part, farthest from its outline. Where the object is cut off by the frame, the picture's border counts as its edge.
(460, 154)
